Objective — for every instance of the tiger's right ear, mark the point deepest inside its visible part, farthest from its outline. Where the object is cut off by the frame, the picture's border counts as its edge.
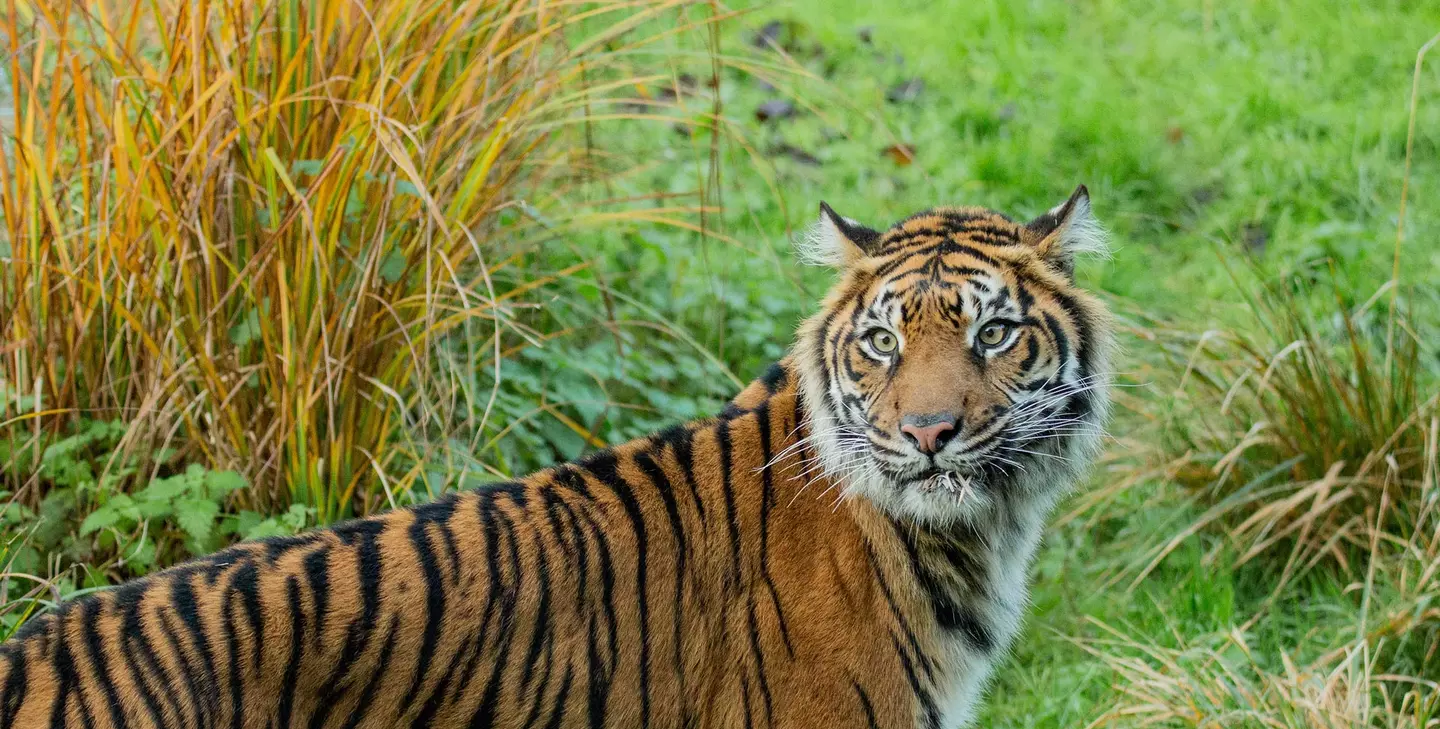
(837, 241)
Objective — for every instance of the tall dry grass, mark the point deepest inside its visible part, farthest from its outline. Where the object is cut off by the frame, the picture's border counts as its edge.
(1381, 675)
(1292, 430)
(244, 228)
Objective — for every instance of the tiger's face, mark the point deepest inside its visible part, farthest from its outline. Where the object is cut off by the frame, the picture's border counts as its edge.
(956, 364)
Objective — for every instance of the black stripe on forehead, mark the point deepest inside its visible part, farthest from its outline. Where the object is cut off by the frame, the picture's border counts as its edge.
(921, 297)
(937, 249)
(976, 225)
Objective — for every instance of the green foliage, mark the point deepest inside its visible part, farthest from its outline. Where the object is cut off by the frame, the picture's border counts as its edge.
(91, 515)
(191, 501)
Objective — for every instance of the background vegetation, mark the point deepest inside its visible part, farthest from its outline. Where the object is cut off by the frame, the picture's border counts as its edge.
(267, 266)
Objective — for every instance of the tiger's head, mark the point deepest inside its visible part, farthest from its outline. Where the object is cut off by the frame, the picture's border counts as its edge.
(955, 364)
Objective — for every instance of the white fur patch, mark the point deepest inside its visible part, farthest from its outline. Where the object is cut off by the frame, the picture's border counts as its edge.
(823, 243)
(1082, 233)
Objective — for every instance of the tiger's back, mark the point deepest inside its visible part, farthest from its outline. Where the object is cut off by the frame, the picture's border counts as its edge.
(758, 568)
(515, 605)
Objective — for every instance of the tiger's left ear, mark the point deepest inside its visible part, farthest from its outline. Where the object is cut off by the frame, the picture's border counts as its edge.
(1067, 230)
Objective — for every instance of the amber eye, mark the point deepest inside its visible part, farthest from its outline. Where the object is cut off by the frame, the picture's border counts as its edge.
(884, 342)
(992, 334)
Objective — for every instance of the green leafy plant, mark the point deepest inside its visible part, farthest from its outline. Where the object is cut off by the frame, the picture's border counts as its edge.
(90, 514)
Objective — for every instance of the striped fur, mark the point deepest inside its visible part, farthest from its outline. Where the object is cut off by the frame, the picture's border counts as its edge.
(754, 569)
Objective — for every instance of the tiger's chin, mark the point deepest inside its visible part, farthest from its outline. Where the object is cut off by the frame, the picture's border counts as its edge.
(933, 496)
(962, 489)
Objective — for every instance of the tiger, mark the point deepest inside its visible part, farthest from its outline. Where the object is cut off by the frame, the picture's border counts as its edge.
(844, 544)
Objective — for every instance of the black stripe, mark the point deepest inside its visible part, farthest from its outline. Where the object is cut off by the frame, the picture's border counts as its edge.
(367, 695)
(889, 595)
(599, 683)
(605, 571)
(477, 649)
(317, 578)
(866, 706)
(581, 557)
(1083, 329)
(16, 684)
(232, 655)
(606, 468)
(767, 501)
(732, 520)
(991, 229)
(681, 440)
(967, 568)
(432, 704)
(139, 655)
(927, 702)
(774, 378)
(557, 712)
(369, 563)
(542, 686)
(950, 614)
(745, 701)
(40, 625)
(186, 669)
(89, 616)
(182, 596)
(437, 513)
(935, 248)
(1032, 352)
(541, 621)
(760, 673)
(277, 547)
(63, 664)
(246, 583)
(1062, 343)
(661, 483)
(484, 716)
(297, 638)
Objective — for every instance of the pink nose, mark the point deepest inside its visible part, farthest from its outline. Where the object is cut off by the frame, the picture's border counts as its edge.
(929, 432)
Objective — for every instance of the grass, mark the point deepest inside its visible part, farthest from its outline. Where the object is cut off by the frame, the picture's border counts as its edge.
(245, 232)
(352, 260)
(1381, 672)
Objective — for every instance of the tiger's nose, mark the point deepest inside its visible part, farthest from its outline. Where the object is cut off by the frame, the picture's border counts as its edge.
(929, 433)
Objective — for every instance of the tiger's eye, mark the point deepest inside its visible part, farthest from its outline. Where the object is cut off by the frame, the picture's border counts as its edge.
(993, 334)
(884, 342)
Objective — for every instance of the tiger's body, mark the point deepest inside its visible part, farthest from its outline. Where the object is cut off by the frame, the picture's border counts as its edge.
(740, 571)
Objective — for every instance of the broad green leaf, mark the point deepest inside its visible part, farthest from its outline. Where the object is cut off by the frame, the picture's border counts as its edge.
(165, 490)
(99, 519)
(220, 483)
(196, 517)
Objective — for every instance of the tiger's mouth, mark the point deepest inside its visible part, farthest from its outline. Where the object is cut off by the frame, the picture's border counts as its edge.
(938, 479)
